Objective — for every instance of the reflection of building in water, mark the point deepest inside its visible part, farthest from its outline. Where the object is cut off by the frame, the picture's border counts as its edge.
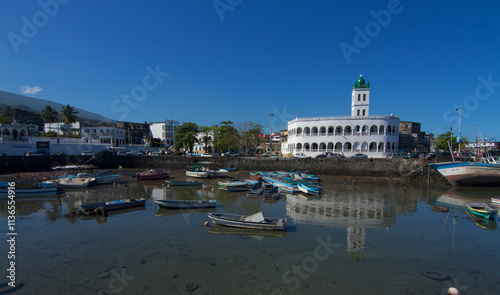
(356, 211)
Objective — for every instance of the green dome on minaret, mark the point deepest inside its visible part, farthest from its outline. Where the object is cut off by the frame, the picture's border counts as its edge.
(361, 83)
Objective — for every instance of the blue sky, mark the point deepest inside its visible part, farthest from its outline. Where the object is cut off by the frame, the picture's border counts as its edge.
(211, 61)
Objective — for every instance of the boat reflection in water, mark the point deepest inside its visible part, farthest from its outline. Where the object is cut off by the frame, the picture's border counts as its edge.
(245, 233)
(457, 198)
(484, 223)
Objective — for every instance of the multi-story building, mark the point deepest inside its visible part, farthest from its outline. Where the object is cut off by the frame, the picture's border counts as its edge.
(61, 128)
(103, 134)
(164, 131)
(375, 136)
(411, 139)
(135, 133)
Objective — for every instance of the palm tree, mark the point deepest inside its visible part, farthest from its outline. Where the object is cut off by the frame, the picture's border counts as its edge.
(49, 115)
(68, 115)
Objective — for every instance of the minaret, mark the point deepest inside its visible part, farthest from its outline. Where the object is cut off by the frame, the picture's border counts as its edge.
(360, 105)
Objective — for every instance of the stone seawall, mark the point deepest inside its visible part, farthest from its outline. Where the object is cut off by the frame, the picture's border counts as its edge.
(408, 169)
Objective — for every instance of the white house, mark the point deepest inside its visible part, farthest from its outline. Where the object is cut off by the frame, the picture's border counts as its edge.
(103, 134)
(375, 136)
(164, 131)
(60, 127)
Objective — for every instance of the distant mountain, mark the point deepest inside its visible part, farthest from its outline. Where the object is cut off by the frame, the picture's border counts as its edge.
(36, 105)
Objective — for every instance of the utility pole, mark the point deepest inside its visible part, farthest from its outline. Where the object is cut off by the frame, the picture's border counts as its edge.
(271, 134)
(459, 139)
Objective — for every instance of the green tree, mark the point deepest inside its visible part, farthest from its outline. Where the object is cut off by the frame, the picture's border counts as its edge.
(207, 136)
(443, 139)
(4, 120)
(226, 137)
(250, 135)
(185, 136)
(68, 115)
(49, 115)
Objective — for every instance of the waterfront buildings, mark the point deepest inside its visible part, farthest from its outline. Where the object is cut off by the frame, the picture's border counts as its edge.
(164, 131)
(374, 135)
(135, 133)
(411, 139)
(103, 134)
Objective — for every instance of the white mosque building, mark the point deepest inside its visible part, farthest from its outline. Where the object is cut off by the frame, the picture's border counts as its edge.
(374, 136)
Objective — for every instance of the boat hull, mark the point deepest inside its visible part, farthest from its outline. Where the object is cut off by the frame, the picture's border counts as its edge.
(183, 183)
(198, 174)
(482, 210)
(235, 220)
(116, 205)
(105, 179)
(469, 174)
(187, 204)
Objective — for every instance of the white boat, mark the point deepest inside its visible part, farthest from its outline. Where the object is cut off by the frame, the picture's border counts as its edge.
(255, 221)
(217, 172)
(74, 182)
(197, 171)
(469, 173)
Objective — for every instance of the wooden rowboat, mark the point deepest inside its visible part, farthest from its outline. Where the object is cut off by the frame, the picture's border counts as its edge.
(257, 189)
(114, 205)
(482, 210)
(310, 189)
(186, 204)
(183, 183)
(255, 221)
(153, 174)
(273, 194)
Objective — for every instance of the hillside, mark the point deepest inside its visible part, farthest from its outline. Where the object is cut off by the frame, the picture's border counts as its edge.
(36, 105)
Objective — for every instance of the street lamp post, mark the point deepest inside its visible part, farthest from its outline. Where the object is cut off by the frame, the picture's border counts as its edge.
(459, 139)
(271, 133)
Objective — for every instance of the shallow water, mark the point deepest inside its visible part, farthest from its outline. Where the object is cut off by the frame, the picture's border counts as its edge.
(372, 238)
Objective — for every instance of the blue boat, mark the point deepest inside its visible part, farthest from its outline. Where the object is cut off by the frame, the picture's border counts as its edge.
(482, 210)
(113, 205)
(310, 189)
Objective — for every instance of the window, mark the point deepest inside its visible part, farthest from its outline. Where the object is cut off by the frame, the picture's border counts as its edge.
(364, 97)
(364, 112)
(359, 97)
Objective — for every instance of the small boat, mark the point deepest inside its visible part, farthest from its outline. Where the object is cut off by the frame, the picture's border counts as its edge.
(482, 210)
(287, 187)
(198, 171)
(495, 201)
(236, 188)
(310, 189)
(41, 189)
(273, 194)
(233, 184)
(74, 182)
(186, 204)
(105, 179)
(183, 183)
(217, 172)
(153, 174)
(255, 221)
(257, 189)
(114, 205)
